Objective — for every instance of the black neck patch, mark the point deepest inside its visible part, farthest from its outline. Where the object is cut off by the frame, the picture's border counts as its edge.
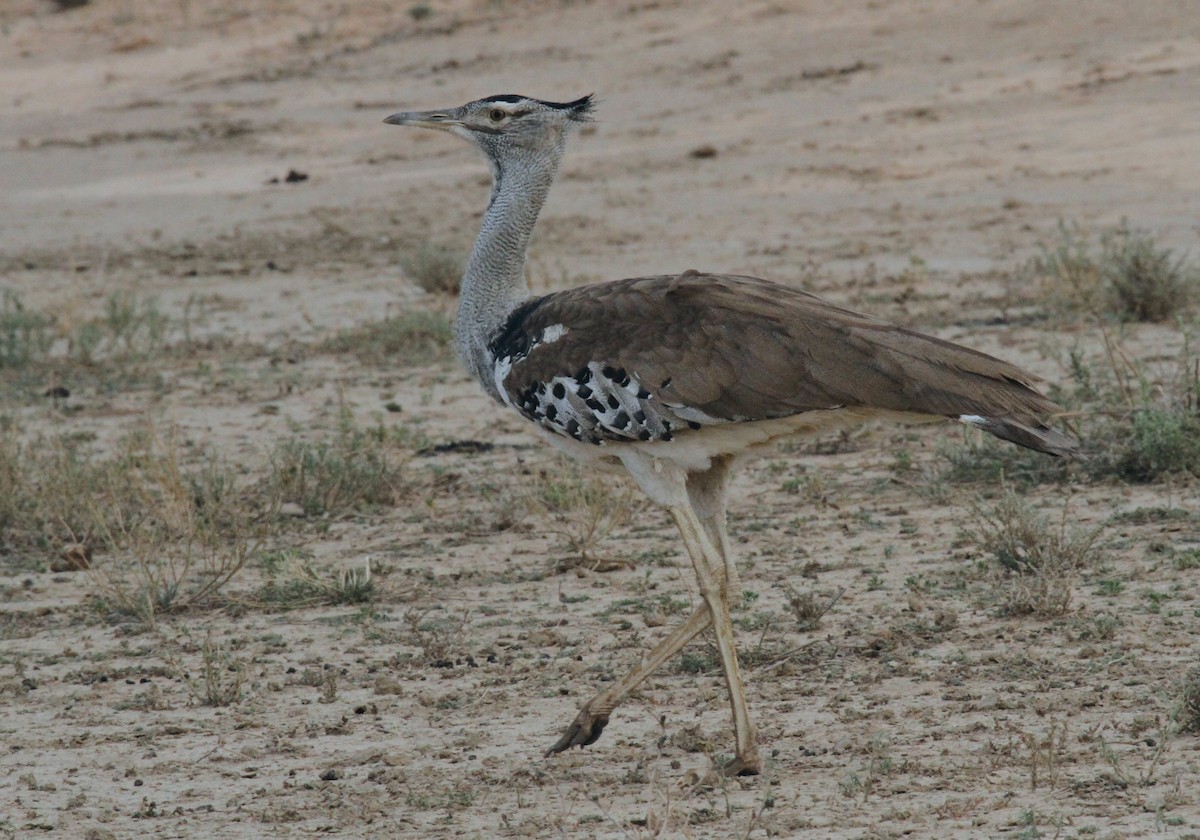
(513, 341)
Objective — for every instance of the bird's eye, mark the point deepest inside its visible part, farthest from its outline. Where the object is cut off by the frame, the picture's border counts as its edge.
(497, 115)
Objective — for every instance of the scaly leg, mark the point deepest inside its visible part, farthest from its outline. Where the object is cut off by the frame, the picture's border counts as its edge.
(593, 717)
(708, 492)
(708, 564)
(701, 503)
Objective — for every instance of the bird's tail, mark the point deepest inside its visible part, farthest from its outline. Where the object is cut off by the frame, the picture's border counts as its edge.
(1036, 435)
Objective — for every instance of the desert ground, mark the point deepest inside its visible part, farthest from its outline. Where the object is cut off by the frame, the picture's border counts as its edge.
(272, 565)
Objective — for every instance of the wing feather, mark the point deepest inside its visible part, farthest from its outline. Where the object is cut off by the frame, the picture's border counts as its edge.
(741, 349)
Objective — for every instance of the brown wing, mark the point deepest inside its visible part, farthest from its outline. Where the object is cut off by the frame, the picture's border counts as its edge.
(714, 348)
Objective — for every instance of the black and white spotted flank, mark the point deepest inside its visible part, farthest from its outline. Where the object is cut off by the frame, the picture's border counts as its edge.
(596, 403)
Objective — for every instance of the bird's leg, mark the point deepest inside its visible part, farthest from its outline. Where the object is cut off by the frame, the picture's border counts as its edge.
(593, 717)
(697, 504)
(708, 492)
(708, 565)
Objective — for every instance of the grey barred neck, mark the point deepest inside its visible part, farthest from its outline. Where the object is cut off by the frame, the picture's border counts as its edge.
(494, 283)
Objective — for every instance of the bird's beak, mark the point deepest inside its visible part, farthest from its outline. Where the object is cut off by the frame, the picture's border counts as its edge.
(424, 119)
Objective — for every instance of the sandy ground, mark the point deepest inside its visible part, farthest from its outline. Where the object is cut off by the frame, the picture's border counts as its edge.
(897, 156)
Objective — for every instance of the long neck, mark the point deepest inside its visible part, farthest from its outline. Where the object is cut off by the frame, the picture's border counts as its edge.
(494, 282)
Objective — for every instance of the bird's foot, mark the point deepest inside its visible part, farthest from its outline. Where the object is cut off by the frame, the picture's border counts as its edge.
(739, 766)
(584, 730)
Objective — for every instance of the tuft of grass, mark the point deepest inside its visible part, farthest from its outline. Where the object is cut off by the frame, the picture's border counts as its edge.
(292, 582)
(1039, 563)
(583, 511)
(413, 338)
(806, 608)
(220, 678)
(1143, 281)
(435, 267)
(354, 469)
(1066, 272)
(167, 536)
(25, 335)
(439, 639)
(1187, 712)
(176, 539)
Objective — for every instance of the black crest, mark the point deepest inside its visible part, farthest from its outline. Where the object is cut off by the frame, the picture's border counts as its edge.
(513, 341)
(579, 109)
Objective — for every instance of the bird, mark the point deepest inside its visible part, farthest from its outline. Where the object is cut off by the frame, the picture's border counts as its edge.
(677, 379)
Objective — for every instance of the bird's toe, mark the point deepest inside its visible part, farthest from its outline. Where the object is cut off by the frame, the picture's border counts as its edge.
(584, 730)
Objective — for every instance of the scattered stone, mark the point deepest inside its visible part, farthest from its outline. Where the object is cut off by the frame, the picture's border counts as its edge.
(293, 177)
(331, 775)
(703, 152)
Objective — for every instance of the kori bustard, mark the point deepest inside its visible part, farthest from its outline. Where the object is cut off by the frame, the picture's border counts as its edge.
(677, 378)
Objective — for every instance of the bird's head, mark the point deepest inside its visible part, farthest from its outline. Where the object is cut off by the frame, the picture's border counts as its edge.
(506, 126)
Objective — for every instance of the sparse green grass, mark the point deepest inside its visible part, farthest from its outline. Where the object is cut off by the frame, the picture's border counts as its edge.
(25, 335)
(583, 510)
(879, 765)
(292, 583)
(1039, 562)
(354, 469)
(982, 458)
(35, 346)
(167, 535)
(435, 267)
(417, 337)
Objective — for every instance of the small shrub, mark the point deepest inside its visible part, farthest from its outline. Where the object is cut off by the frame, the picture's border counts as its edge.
(1187, 713)
(436, 268)
(583, 511)
(439, 639)
(293, 583)
(1039, 563)
(1144, 282)
(807, 608)
(168, 535)
(354, 469)
(219, 680)
(176, 537)
(1136, 422)
(1066, 271)
(1155, 442)
(1130, 276)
